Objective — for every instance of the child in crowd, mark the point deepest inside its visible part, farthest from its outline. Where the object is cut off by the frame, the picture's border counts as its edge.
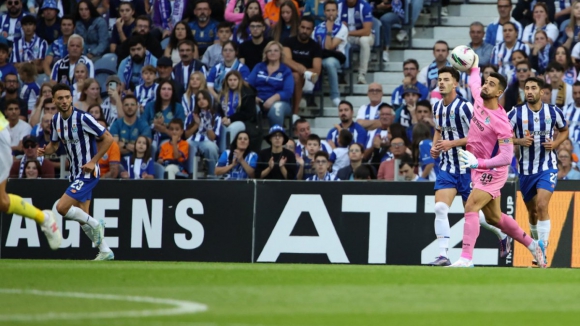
(30, 89)
(306, 166)
(139, 165)
(146, 91)
(339, 156)
(322, 164)
(174, 153)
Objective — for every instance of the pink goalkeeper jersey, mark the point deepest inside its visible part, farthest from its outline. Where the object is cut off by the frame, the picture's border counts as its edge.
(488, 128)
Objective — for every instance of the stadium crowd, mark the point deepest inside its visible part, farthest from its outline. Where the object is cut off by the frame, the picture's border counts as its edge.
(173, 80)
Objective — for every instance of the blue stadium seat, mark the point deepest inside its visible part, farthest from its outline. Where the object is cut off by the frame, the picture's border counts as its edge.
(159, 171)
(107, 64)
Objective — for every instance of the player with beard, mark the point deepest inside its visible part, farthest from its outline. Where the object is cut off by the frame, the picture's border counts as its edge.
(452, 115)
(534, 124)
(130, 68)
(489, 154)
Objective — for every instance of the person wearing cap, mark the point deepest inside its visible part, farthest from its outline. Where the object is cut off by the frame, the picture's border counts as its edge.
(64, 69)
(48, 25)
(58, 49)
(410, 71)
(30, 47)
(276, 162)
(10, 22)
(164, 69)
(30, 145)
(406, 112)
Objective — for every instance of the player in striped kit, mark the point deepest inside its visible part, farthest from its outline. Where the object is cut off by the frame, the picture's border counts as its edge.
(452, 116)
(77, 131)
(534, 123)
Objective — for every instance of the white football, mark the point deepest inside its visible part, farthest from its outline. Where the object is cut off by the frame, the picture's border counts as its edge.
(462, 58)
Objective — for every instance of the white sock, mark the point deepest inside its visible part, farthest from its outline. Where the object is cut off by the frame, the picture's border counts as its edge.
(544, 231)
(490, 227)
(77, 214)
(103, 247)
(534, 231)
(442, 228)
(532, 247)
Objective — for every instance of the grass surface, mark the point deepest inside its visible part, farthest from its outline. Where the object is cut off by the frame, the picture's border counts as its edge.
(270, 294)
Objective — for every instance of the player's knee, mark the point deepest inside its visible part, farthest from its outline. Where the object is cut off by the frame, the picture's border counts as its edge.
(441, 209)
(62, 208)
(542, 207)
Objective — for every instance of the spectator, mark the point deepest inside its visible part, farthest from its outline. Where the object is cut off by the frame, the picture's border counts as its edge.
(30, 90)
(127, 129)
(389, 13)
(428, 75)
(29, 47)
(302, 129)
(306, 161)
(213, 54)
(355, 156)
(59, 48)
(238, 162)
(145, 91)
(378, 139)
(32, 170)
(160, 12)
(163, 110)
(288, 25)
(90, 95)
(567, 144)
(139, 164)
(339, 155)
(48, 25)
(276, 162)
(421, 148)
(510, 70)
(130, 68)
(181, 32)
(515, 93)
(502, 52)
(406, 114)
(203, 27)
(562, 11)
(164, 69)
(236, 9)
(12, 93)
(387, 168)
(494, 33)
(30, 145)
(410, 71)
(112, 103)
(357, 15)
(92, 28)
(481, 48)
(304, 56)
(345, 112)
(63, 69)
(563, 57)
(143, 28)
(524, 13)
(96, 111)
(272, 11)
(196, 83)
(230, 62)
(322, 164)
(45, 138)
(258, 43)
(203, 129)
(242, 32)
(174, 153)
(424, 114)
(546, 94)
(541, 23)
(365, 172)
(368, 115)
(10, 22)
(332, 36)
(45, 106)
(572, 113)
(124, 25)
(317, 10)
(569, 37)
(239, 103)
(17, 128)
(80, 75)
(561, 92)
(407, 170)
(109, 163)
(542, 52)
(565, 169)
(291, 146)
(5, 66)
(187, 66)
(274, 84)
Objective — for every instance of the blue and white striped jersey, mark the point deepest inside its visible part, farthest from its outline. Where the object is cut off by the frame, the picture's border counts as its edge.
(10, 27)
(27, 51)
(433, 74)
(359, 134)
(541, 125)
(327, 177)
(572, 114)
(501, 55)
(205, 125)
(146, 94)
(78, 135)
(301, 149)
(453, 123)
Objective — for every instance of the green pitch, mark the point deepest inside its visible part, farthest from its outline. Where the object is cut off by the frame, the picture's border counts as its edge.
(268, 294)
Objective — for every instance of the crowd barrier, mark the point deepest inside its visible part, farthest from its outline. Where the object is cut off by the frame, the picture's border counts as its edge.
(252, 221)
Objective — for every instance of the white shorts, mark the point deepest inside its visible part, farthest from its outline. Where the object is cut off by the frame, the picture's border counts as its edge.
(5, 155)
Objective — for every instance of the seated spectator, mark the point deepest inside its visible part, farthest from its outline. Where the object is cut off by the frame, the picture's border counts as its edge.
(339, 155)
(368, 115)
(332, 36)
(12, 92)
(345, 113)
(203, 27)
(572, 113)
(46, 106)
(407, 170)
(561, 92)
(236, 9)
(19, 168)
(202, 129)
(238, 162)
(109, 163)
(542, 52)
(29, 47)
(96, 111)
(241, 32)
(359, 21)
(92, 28)
(565, 169)
(567, 145)
(389, 13)
(174, 153)
(272, 11)
(563, 57)
(5, 66)
(139, 164)
(32, 170)
(378, 140)
(306, 161)
(410, 71)
(187, 66)
(274, 84)
(355, 157)
(302, 129)
(258, 42)
(321, 167)
(569, 36)
(304, 56)
(316, 9)
(387, 168)
(145, 91)
(164, 69)
(510, 70)
(196, 83)
(160, 12)
(59, 48)
(143, 28)
(515, 93)
(163, 110)
(213, 55)
(63, 69)
(81, 74)
(406, 114)
(546, 94)
(481, 48)
(291, 146)
(421, 148)
(130, 68)
(428, 75)
(524, 11)
(494, 31)
(90, 95)
(30, 90)
(276, 162)
(563, 10)
(365, 172)
(48, 26)
(288, 25)
(10, 25)
(541, 23)
(181, 32)
(112, 103)
(239, 103)
(124, 25)
(17, 128)
(502, 52)
(127, 129)
(217, 73)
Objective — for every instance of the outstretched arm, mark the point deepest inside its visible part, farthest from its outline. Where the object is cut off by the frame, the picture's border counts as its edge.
(475, 79)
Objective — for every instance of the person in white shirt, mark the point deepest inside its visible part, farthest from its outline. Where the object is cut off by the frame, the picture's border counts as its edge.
(17, 128)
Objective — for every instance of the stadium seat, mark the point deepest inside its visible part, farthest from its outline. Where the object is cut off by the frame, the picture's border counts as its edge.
(159, 171)
(107, 64)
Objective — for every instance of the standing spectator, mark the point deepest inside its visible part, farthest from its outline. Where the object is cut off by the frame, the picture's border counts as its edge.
(421, 148)
(339, 155)
(203, 27)
(217, 73)
(288, 24)
(276, 162)
(30, 145)
(10, 22)
(256, 44)
(143, 28)
(541, 23)
(322, 163)
(428, 75)
(274, 84)
(358, 16)
(12, 93)
(5, 66)
(196, 83)
(127, 129)
(17, 128)
(481, 48)
(368, 115)
(572, 113)
(272, 11)
(112, 105)
(304, 56)
(145, 91)
(174, 153)
(166, 107)
(48, 26)
(124, 25)
(29, 47)
(345, 113)
(63, 70)
(181, 32)
(213, 54)
(131, 67)
(139, 164)
(187, 66)
(30, 89)
(109, 163)
(58, 49)
(160, 12)
(569, 37)
(494, 33)
(238, 162)
(410, 71)
(502, 52)
(561, 92)
(406, 114)
(236, 10)
(355, 156)
(92, 28)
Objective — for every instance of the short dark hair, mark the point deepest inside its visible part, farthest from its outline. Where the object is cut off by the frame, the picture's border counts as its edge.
(186, 41)
(12, 101)
(137, 39)
(28, 19)
(201, 1)
(257, 19)
(413, 61)
(330, 2)
(360, 146)
(576, 83)
(323, 154)
(4, 47)
(425, 103)
(314, 137)
(549, 86)
(524, 62)
(60, 87)
(299, 121)
(344, 137)
(46, 101)
(441, 42)
(102, 119)
(554, 66)
(308, 19)
(385, 105)
(129, 97)
(510, 23)
(454, 73)
(224, 24)
(406, 159)
(176, 121)
(501, 79)
(145, 18)
(364, 172)
(68, 17)
(347, 103)
(536, 80)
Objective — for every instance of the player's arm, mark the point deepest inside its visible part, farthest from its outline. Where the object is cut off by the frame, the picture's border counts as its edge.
(436, 137)
(445, 145)
(49, 149)
(106, 142)
(475, 79)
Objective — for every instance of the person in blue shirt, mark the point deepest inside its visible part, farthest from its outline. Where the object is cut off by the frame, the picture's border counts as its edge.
(359, 134)
(238, 162)
(203, 27)
(139, 164)
(48, 25)
(130, 68)
(421, 148)
(165, 108)
(274, 84)
(410, 71)
(127, 129)
(6, 67)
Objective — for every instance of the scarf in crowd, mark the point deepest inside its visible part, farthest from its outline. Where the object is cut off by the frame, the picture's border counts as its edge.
(221, 74)
(128, 72)
(28, 49)
(544, 57)
(231, 104)
(63, 71)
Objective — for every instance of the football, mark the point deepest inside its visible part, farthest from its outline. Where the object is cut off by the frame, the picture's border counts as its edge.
(461, 58)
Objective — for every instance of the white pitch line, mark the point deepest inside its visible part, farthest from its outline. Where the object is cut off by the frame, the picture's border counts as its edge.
(180, 307)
